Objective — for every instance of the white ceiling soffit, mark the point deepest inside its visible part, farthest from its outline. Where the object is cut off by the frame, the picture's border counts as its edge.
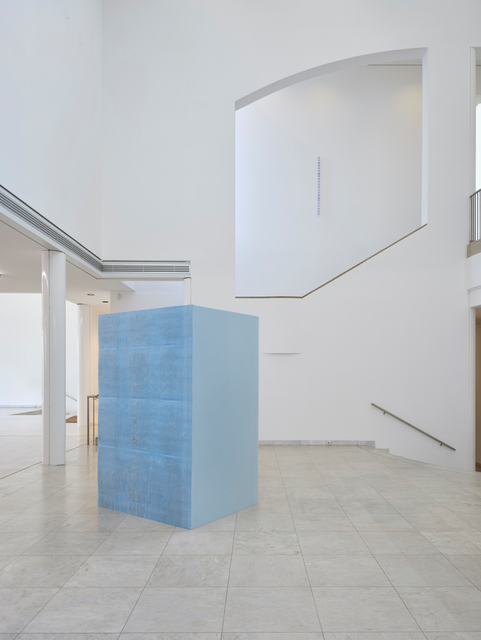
(21, 267)
(18, 215)
(382, 57)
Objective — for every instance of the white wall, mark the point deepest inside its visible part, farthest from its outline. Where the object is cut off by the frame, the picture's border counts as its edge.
(96, 310)
(71, 339)
(478, 394)
(478, 127)
(21, 349)
(365, 126)
(21, 359)
(147, 295)
(50, 133)
(394, 331)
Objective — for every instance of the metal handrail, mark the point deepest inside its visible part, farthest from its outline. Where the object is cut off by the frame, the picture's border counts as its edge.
(475, 222)
(441, 443)
(88, 418)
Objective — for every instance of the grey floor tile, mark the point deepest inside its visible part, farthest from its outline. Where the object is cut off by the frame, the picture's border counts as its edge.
(200, 543)
(4, 560)
(133, 523)
(39, 571)
(345, 571)
(223, 524)
(379, 522)
(178, 609)
(379, 499)
(353, 506)
(406, 507)
(272, 636)
(295, 481)
(270, 609)
(268, 571)
(13, 544)
(331, 543)
(133, 543)
(362, 609)
(438, 522)
(113, 571)
(170, 636)
(470, 566)
(272, 492)
(315, 508)
(397, 542)
(453, 543)
(191, 571)
(67, 544)
(458, 635)
(444, 608)
(39, 524)
(85, 611)
(375, 636)
(67, 636)
(264, 542)
(264, 522)
(474, 519)
(19, 606)
(405, 570)
(83, 522)
(467, 505)
(309, 493)
(326, 523)
(273, 505)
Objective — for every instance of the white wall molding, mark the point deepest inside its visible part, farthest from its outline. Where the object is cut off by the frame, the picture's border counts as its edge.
(37, 227)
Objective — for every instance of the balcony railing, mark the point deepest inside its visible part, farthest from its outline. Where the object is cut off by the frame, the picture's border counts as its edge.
(475, 232)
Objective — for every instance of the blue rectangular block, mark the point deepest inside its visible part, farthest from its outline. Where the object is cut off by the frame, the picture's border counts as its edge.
(178, 413)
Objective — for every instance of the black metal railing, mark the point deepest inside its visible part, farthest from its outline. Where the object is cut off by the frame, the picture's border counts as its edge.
(475, 222)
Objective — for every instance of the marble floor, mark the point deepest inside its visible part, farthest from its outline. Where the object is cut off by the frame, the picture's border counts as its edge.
(21, 439)
(347, 543)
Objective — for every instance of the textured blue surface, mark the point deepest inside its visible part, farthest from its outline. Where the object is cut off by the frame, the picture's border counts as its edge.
(178, 413)
(145, 413)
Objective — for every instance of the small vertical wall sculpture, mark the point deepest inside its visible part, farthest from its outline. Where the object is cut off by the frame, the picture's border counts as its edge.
(178, 413)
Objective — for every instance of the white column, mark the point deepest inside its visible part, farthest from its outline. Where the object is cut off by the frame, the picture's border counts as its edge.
(83, 363)
(187, 290)
(53, 330)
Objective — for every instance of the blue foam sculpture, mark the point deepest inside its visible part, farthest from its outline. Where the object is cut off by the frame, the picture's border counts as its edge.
(178, 413)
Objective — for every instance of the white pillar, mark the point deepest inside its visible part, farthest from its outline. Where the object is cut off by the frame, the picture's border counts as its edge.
(53, 330)
(83, 363)
(187, 290)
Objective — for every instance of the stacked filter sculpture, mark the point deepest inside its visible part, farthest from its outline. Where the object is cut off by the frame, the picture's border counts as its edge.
(178, 413)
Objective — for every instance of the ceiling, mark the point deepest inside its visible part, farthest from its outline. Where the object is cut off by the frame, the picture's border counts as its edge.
(20, 268)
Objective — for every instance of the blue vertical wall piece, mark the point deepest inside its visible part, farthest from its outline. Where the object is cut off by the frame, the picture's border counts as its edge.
(178, 411)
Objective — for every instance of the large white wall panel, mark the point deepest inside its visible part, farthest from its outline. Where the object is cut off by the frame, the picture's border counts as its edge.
(394, 331)
(50, 114)
(21, 349)
(357, 135)
(148, 295)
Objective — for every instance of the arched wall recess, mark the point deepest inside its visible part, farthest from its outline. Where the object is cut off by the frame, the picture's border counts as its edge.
(330, 171)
